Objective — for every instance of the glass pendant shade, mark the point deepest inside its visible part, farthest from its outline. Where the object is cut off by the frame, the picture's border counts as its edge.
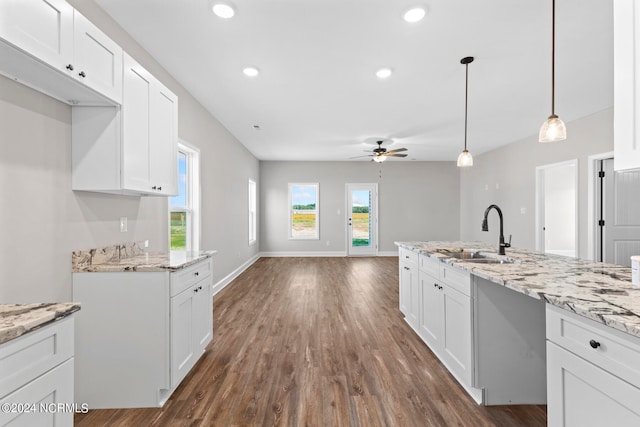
(552, 130)
(379, 159)
(465, 159)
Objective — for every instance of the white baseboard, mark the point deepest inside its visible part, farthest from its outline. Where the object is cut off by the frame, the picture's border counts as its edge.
(388, 253)
(222, 283)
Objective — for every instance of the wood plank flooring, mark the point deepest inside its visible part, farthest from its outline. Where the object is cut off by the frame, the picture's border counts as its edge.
(316, 342)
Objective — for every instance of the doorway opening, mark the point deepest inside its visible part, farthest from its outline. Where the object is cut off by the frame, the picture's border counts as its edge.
(557, 208)
(362, 221)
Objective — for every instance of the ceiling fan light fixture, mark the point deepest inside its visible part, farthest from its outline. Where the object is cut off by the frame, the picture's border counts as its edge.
(414, 14)
(223, 10)
(250, 71)
(379, 159)
(384, 73)
(553, 129)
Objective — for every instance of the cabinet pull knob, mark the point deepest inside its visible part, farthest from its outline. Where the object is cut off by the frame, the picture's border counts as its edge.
(154, 187)
(159, 188)
(199, 288)
(594, 344)
(407, 268)
(196, 274)
(82, 74)
(435, 285)
(406, 256)
(195, 290)
(70, 67)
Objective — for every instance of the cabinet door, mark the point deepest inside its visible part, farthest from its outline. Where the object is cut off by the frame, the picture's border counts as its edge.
(136, 97)
(405, 288)
(163, 157)
(183, 351)
(431, 313)
(42, 28)
(456, 338)
(45, 393)
(581, 394)
(203, 317)
(97, 59)
(626, 120)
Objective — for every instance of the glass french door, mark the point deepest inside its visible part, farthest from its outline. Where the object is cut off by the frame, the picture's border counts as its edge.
(362, 219)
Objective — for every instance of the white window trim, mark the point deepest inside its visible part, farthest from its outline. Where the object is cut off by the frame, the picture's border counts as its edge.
(193, 195)
(253, 212)
(290, 211)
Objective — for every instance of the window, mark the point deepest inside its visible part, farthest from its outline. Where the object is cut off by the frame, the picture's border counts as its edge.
(253, 216)
(304, 218)
(184, 220)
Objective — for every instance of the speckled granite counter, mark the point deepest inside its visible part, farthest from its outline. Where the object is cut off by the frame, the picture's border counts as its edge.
(19, 319)
(132, 257)
(599, 291)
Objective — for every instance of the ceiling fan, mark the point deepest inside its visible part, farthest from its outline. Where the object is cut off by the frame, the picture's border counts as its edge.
(380, 154)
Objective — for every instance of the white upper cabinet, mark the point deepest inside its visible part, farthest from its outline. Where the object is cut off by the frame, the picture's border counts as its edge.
(49, 46)
(130, 150)
(97, 60)
(626, 121)
(42, 28)
(150, 132)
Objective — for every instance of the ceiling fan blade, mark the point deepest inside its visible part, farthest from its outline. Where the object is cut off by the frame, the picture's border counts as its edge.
(397, 150)
(394, 155)
(357, 157)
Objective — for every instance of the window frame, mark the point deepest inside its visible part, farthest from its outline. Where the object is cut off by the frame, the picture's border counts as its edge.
(253, 211)
(316, 210)
(192, 199)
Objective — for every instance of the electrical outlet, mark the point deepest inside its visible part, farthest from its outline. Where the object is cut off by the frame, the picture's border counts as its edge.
(123, 224)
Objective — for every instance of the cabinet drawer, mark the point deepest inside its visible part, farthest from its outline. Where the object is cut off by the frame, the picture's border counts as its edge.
(31, 355)
(183, 279)
(458, 280)
(430, 266)
(408, 256)
(614, 351)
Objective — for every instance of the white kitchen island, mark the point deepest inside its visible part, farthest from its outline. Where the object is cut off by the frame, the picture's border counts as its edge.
(540, 328)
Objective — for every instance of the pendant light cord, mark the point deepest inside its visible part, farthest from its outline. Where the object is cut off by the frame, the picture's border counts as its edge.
(466, 101)
(553, 58)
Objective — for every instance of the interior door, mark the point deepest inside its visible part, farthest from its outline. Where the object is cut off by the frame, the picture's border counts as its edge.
(362, 220)
(620, 229)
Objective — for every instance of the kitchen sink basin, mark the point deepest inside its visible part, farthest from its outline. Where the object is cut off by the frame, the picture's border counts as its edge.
(477, 257)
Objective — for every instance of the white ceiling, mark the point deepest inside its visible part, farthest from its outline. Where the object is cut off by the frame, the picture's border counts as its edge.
(317, 96)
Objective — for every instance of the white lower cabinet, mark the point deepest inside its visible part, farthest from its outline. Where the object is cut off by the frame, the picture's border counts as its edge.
(191, 328)
(140, 333)
(409, 287)
(444, 318)
(36, 377)
(593, 376)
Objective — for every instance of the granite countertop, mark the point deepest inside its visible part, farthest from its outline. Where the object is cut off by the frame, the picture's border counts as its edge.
(132, 257)
(19, 319)
(599, 291)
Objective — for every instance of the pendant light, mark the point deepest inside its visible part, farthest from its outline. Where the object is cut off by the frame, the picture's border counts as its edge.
(553, 129)
(465, 159)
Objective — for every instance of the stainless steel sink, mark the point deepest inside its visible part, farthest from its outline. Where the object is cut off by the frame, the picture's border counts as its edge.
(477, 257)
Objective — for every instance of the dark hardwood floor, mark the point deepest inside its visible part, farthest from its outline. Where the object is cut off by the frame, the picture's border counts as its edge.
(316, 342)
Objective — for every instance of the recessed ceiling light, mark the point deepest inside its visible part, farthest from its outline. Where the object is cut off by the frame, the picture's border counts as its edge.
(250, 71)
(414, 15)
(384, 73)
(223, 10)
(257, 127)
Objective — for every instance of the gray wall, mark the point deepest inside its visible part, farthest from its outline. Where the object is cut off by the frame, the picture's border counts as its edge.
(512, 170)
(417, 201)
(43, 221)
